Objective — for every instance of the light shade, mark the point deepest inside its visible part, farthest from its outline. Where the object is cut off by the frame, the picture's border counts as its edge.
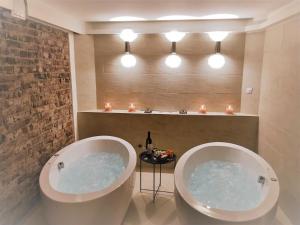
(173, 61)
(174, 36)
(128, 60)
(128, 35)
(218, 35)
(216, 61)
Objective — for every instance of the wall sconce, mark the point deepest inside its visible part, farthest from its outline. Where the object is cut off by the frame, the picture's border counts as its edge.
(218, 35)
(217, 60)
(128, 60)
(173, 60)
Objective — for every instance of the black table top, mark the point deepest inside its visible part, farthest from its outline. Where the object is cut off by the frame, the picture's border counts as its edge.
(153, 160)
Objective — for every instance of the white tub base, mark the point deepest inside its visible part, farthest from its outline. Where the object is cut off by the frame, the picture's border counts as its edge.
(192, 212)
(104, 207)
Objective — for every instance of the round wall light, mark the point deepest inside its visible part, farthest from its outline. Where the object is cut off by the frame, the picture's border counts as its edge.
(173, 61)
(175, 36)
(216, 61)
(128, 60)
(218, 35)
(128, 35)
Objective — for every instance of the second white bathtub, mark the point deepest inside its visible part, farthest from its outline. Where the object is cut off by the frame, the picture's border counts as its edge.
(107, 206)
(206, 206)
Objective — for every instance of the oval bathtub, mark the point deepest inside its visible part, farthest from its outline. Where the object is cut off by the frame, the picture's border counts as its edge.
(104, 206)
(191, 207)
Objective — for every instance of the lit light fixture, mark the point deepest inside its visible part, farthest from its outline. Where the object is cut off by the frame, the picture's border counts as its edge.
(128, 35)
(217, 60)
(219, 17)
(229, 109)
(126, 19)
(107, 107)
(222, 16)
(175, 36)
(203, 109)
(128, 60)
(131, 107)
(177, 17)
(218, 35)
(173, 60)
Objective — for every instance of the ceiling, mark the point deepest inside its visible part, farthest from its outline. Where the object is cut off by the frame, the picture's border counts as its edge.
(105, 10)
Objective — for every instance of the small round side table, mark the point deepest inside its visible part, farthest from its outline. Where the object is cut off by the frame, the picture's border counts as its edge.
(144, 157)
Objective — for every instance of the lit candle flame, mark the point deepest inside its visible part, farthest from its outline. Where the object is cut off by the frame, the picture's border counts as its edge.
(203, 109)
(229, 109)
(131, 107)
(107, 107)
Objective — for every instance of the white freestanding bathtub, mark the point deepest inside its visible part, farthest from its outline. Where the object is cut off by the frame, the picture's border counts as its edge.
(191, 211)
(104, 207)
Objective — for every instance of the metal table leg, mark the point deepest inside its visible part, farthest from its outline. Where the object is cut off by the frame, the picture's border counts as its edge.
(153, 182)
(154, 189)
(140, 175)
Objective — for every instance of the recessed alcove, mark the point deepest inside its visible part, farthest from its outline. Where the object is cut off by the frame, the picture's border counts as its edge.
(151, 84)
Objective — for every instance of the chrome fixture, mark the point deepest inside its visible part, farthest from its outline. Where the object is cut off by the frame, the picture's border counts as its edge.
(148, 110)
(60, 165)
(261, 180)
(183, 111)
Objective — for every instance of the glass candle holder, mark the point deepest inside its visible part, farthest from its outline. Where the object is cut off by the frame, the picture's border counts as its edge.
(229, 109)
(203, 109)
(131, 107)
(107, 107)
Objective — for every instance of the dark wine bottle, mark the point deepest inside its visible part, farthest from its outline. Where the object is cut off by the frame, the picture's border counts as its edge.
(148, 141)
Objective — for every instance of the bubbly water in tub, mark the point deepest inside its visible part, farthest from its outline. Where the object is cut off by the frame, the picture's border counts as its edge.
(90, 173)
(225, 185)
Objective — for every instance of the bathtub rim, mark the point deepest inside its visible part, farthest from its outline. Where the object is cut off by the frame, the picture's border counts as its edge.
(48, 191)
(268, 203)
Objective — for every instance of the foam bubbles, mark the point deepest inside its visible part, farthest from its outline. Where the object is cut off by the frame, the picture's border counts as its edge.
(225, 185)
(90, 173)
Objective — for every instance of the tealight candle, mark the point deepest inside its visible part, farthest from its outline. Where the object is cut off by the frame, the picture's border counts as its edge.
(107, 107)
(229, 109)
(203, 109)
(131, 107)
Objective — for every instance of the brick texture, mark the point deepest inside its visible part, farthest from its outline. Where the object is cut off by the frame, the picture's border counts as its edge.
(36, 108)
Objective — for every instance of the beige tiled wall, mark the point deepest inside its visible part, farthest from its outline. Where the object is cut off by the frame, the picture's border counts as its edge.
(85, 72)
(279, 111)
(152, 84)
(179, 132)
(254, 51)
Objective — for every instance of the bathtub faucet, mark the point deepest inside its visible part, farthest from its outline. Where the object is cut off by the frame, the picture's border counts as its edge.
(60, 165)
(261, 180)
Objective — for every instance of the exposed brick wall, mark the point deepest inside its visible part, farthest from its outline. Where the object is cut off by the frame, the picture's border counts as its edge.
(36, 108)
